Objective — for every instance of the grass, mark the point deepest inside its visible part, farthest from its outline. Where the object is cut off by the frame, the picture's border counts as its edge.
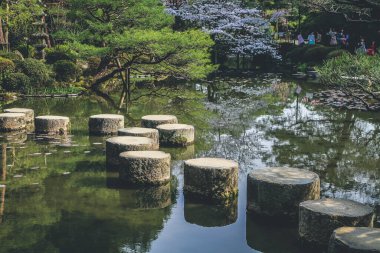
(53, 90)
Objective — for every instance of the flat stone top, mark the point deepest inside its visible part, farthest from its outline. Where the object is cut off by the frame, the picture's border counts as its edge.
(359, 238)
(145, 154)
(130, 140)
(174, 126)
(107, 116)
(137, 130)
(284, 175)
(52, 117)
(212, 163)
(159, 117)
(18, 110)
(11, 115)
(337, 207)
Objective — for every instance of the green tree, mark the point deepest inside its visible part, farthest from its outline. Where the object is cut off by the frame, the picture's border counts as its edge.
(135, 37)
(18, 18)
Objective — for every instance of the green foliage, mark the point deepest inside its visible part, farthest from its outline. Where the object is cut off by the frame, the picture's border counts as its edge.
(16, 82)
(297, 53)
(316, 54)
(36, 70)
(58, 53)
(22, 14)
(309, 54)
(14, 56)
(93, 64)
(336, 53)
(352, 72)
(6, 66)
(139, 35)
(66, 70)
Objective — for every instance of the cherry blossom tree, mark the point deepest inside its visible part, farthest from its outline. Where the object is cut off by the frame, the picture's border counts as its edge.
(235, 29)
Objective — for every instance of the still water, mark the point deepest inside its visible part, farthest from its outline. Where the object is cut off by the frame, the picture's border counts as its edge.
(59, 198)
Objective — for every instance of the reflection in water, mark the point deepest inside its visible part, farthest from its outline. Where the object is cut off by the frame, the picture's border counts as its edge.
(267, 237)
(146, 198)
(2, 201)
(210, 215)
(16, 137)
(64, 201)
(181, 153)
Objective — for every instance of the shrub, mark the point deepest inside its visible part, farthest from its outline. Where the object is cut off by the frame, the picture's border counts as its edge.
(93, 64)
(66, 70)
(336, 53)
(353, 72)
(26, 50)
(37, 71)
(286, 47)
(16, 82)
(295, 55)
(14, 56)
(316, 54)
(6, 66)
(60, 53)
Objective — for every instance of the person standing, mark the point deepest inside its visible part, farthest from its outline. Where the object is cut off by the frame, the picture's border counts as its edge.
(311, 39)
(361, 47)
(301, 40)
(318, 39)
(333, 40)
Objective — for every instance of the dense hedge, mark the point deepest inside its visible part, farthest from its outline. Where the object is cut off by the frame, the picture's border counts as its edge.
(310, 54)
(16, 82)
(60, 53)
(66, 71)
(38, 72)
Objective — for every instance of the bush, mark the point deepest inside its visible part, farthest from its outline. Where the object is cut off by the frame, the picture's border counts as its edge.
(295, 55)
(336, 53)
(6, 66)
(316, 53)
(37, 71)
(66, 70)
(353, 72)
(14, 56)
(60, 53)
(16, 82)
(93, 64)
(286, 47)
(26, 50)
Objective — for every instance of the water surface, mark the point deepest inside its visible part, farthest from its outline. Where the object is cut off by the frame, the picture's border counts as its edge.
(59, 198)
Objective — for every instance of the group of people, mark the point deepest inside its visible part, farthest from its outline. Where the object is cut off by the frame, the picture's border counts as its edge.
(341, 39)
(312, 39)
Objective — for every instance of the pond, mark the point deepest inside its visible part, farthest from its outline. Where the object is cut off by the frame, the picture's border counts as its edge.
(59, 197)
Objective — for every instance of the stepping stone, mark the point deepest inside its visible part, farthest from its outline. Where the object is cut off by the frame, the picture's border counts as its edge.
(211, 179)
(117, 145)
(152, 121)
(144, 167)
(355, 240)
(140, 132)
(176, 135)
(12, 122)
(53, 125)
(277, 192)
(319, 218)
(29, 116)
(105, 124)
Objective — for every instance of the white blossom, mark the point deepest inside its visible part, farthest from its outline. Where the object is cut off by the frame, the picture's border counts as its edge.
(234, 28)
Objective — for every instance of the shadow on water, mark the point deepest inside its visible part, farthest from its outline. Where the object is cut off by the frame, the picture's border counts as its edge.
(266, 236)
